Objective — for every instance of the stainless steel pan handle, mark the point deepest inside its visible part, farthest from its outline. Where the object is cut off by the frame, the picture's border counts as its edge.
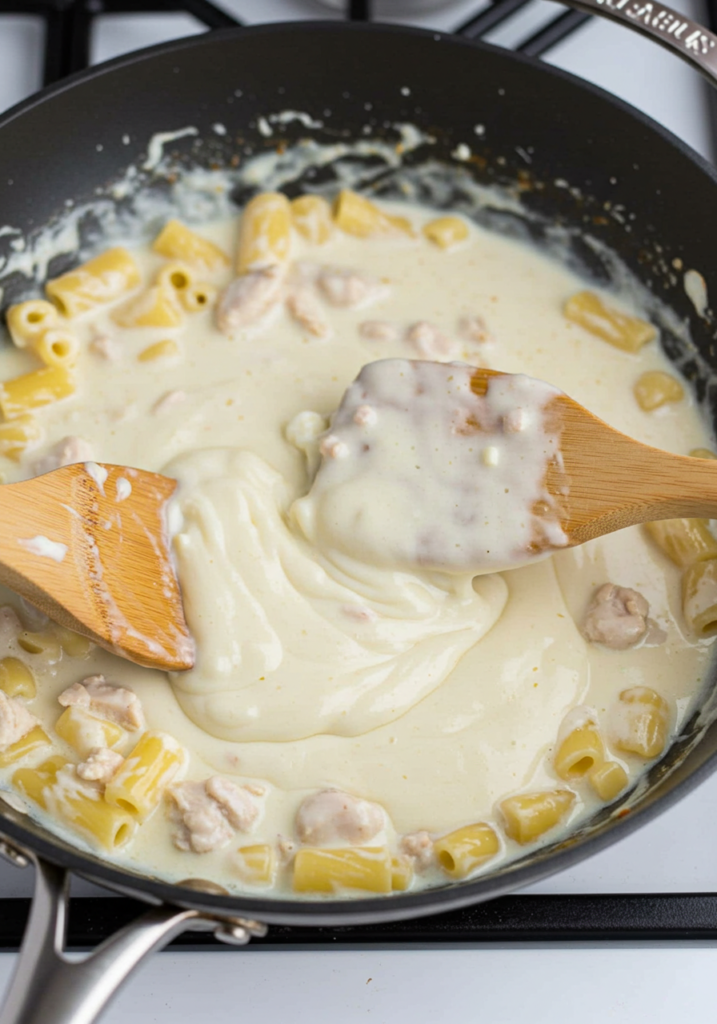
(681, 35)
(47, 987)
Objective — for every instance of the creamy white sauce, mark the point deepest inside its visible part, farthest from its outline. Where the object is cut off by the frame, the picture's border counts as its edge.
(44, 547)
(419, 472)
(419, 690)
(98, 474)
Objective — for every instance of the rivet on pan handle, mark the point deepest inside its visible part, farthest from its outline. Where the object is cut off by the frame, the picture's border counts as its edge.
(46, 986)
(694, 43)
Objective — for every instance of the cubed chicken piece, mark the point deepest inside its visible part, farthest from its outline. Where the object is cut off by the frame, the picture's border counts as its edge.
(331, 816)
(235, 801)
(429, 341)
(207, 814)
(306, 309)
(419, 847)
(617, 617)
(200, 824)
(15, 720)
(100, 766)
(378, 330)
(66, 452)
(342, 286)
(248, 298)
(115, 703)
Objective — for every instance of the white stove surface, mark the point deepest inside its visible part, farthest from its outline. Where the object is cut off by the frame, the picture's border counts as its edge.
(675, 853)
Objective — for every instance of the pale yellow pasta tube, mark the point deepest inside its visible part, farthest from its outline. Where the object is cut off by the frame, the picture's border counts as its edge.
(619, 329)
(34, 783)
(100, 280)
(159, 350)
(26, 321)
(17, 679)
(366, 867)
(178, 242)
(446, 231)
(30, 742)
(157, 307)
(461, 852)
(256, 864)
(699, 598)
(264, 232)
(46, 642)
(84, 733)
(401, 873)
(312, 218)
(357, 215)
(82, 806)
(684, 541)
(640, 722)
(73, 644)
(198, 297)
(177, 277)
(56, 347)
(18, 435)
(33, 390)
(608, 780)
(579, 752)
(656, 388)
(140, 783)
(529, 815)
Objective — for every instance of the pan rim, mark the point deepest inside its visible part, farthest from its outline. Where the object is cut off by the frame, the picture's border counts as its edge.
(376, 909)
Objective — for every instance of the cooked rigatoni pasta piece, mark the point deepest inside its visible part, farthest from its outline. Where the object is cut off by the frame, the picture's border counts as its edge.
(84, 732)
(369, 868)
(684, 541)
(56, 347)
(177, 277)
(139, 785)
(264, 232)
(73, 644)
(401, 873)
(656, 388)
(82, 806)
(178, 242)
(608, 780)
(357, 215)
(33, 390)
(198, 297)
(156, 307)
(640, 722)
(26, 321)
(619, 329)
(256, 864)
(46, 642)
(100, 280)
(34, 783)
(528, 816)
(461, 852)
(18, 435)
(446, 231)
(579, 751)
(312, 218)
(699, 598)
(159, 350)
(17, 679)
(30, 742)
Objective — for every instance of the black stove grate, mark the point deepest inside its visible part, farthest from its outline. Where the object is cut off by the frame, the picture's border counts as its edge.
(518, 919)
(68, 24)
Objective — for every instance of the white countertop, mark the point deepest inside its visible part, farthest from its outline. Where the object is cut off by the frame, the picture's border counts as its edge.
(508, 985)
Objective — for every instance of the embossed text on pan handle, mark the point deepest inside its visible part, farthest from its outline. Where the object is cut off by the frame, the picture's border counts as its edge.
(692, 42)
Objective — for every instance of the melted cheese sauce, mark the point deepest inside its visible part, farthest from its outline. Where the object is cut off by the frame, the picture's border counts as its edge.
(429, 693)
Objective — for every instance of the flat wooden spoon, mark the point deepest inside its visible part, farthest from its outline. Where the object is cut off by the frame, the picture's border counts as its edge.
(608, 481)
(88, 545)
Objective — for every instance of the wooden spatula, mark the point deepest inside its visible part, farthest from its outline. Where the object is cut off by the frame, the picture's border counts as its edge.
(608, 481)
(87, 545)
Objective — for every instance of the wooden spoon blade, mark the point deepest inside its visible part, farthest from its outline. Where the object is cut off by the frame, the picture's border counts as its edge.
(88, 545)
